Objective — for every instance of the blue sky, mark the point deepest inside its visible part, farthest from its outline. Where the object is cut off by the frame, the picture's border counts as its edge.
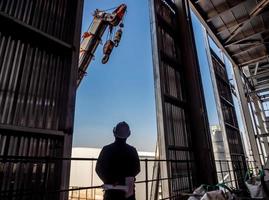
(205, 72)
(122, 89)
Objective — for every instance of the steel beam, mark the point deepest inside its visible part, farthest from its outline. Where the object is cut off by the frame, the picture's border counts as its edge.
(67, 148)
(262, 86)
(247, 49)
(238, 22)
(254, 60)
(265, 66)
(217, 96)
(223, 10)
(260, 6)
(38, 35)
(256, 68)
(211, 33)
(161, 139)
(265, 100)
(249, 42)
(261, 90)
(255, 12)
(30, 130)
(260, 74)
(232, 24)
(261, 82)
(263, 135)
(247, 121)
(264, 30)
(259, 117)
(264, 96)
(199, 1)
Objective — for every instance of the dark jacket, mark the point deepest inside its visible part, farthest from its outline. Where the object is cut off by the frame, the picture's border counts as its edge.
(117, 161)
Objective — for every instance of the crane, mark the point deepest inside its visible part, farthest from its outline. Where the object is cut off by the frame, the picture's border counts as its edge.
(92, 38)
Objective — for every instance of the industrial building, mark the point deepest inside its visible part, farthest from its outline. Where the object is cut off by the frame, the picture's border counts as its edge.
(39, 56)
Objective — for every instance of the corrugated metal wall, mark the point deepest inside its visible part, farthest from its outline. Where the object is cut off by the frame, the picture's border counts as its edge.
(19, 177)
(178, 141)
(230, 120)
(177, 138)
(39, 44)
(55, 18)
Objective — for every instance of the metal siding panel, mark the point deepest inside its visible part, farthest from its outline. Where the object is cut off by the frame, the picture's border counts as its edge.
(35, 88)
(174, 100)
(231, 125)
(176, 121)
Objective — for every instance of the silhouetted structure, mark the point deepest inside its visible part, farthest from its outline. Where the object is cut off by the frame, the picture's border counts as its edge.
(39, 46)
(183, 132)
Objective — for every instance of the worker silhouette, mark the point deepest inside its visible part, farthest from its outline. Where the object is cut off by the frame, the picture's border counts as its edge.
(117, 166)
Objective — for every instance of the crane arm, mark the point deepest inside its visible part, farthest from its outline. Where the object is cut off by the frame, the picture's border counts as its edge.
(92, 38)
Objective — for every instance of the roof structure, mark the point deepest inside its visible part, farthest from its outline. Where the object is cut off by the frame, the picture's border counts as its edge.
(241, 28)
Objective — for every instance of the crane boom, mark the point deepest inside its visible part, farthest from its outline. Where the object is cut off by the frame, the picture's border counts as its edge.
(91, 39)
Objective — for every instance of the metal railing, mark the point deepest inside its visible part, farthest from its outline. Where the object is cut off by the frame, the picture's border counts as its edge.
(233, 173)
(225, 171)
(44, 192)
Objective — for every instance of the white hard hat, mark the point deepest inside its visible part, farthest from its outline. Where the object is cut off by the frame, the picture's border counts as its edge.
(122, 130)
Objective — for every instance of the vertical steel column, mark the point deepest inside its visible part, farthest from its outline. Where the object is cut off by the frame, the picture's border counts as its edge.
(261, 127)
(154, 191)
(147, 179)
(70, 111)
(246, 115)
(257, 130)
(161, 141)
(217, 96)
(200, 132)
(225, 143)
